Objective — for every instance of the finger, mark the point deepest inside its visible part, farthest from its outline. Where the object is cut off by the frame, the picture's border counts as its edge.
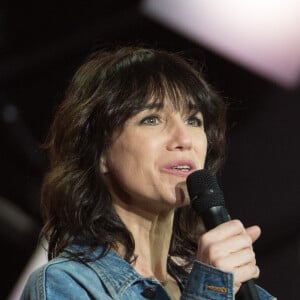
(235, 243)
(229, 246)
(235, 260)
(246, 272)
(254, 232)
(223, 231)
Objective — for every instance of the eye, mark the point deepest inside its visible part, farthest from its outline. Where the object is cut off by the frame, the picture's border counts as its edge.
(194, 121)
(150, 120)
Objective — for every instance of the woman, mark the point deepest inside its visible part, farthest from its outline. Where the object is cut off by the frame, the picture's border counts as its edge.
(134, 124)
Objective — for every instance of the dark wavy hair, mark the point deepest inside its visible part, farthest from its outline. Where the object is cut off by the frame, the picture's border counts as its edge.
(108, 89)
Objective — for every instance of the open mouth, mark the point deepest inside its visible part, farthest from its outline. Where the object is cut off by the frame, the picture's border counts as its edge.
(185, 168)
(180, 168)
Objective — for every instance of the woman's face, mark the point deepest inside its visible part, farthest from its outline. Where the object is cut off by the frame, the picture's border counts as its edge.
(156, 150)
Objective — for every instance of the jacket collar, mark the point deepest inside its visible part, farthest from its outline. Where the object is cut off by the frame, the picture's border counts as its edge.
(108, 268)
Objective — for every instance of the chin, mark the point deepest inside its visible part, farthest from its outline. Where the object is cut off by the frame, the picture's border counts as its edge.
(181, 195)
(178, 200)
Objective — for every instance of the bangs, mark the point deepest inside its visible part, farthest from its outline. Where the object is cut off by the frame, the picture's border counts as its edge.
(181, 95)
(146, 80)
(183, 90)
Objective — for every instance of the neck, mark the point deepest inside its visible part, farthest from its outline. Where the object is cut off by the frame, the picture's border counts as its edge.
(152, 235)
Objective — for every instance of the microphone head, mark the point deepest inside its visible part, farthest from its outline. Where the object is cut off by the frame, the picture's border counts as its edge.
(204, 191)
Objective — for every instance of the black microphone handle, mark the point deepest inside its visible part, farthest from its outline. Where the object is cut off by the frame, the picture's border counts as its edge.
(213, 217)
(247, 291)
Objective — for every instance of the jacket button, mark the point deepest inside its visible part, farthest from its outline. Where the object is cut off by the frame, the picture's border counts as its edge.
(148, 293)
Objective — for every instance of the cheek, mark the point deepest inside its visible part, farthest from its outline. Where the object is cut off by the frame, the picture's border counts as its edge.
(201, 149)
(118, 159)
(130, 172)
(126, 158)
(120, 170)
(205, 145)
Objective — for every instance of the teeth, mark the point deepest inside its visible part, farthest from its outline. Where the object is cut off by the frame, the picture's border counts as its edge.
(184, 167)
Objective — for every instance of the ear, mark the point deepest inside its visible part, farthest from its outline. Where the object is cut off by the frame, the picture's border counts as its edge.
(103, 164)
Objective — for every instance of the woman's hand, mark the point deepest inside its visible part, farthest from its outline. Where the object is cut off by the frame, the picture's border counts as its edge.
(228, 247)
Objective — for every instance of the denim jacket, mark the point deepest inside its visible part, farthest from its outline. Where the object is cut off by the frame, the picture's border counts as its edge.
(111, 277)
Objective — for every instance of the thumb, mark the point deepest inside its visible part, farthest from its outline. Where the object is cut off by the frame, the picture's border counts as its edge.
(254, 232)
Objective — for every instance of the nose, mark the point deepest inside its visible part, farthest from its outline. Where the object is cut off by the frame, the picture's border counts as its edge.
(179, 136)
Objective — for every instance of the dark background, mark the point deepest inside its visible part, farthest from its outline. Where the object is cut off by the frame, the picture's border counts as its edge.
(41, 45)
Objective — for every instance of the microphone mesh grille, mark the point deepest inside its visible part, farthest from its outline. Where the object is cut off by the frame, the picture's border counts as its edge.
(204, 190)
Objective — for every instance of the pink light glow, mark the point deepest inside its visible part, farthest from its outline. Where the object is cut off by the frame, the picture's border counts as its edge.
(261, 35)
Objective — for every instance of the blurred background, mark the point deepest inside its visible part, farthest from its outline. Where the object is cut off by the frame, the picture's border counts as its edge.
(249, 51)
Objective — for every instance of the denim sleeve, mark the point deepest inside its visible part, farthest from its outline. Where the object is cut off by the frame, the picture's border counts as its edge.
(54, 283)
(206, 282)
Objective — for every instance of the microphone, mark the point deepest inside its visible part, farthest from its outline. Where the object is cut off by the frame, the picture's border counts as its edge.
(207, 199)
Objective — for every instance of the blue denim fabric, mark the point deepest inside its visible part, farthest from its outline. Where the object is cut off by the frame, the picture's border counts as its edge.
(113, 278)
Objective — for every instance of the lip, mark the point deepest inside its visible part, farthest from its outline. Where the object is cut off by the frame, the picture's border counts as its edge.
(170, 167)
